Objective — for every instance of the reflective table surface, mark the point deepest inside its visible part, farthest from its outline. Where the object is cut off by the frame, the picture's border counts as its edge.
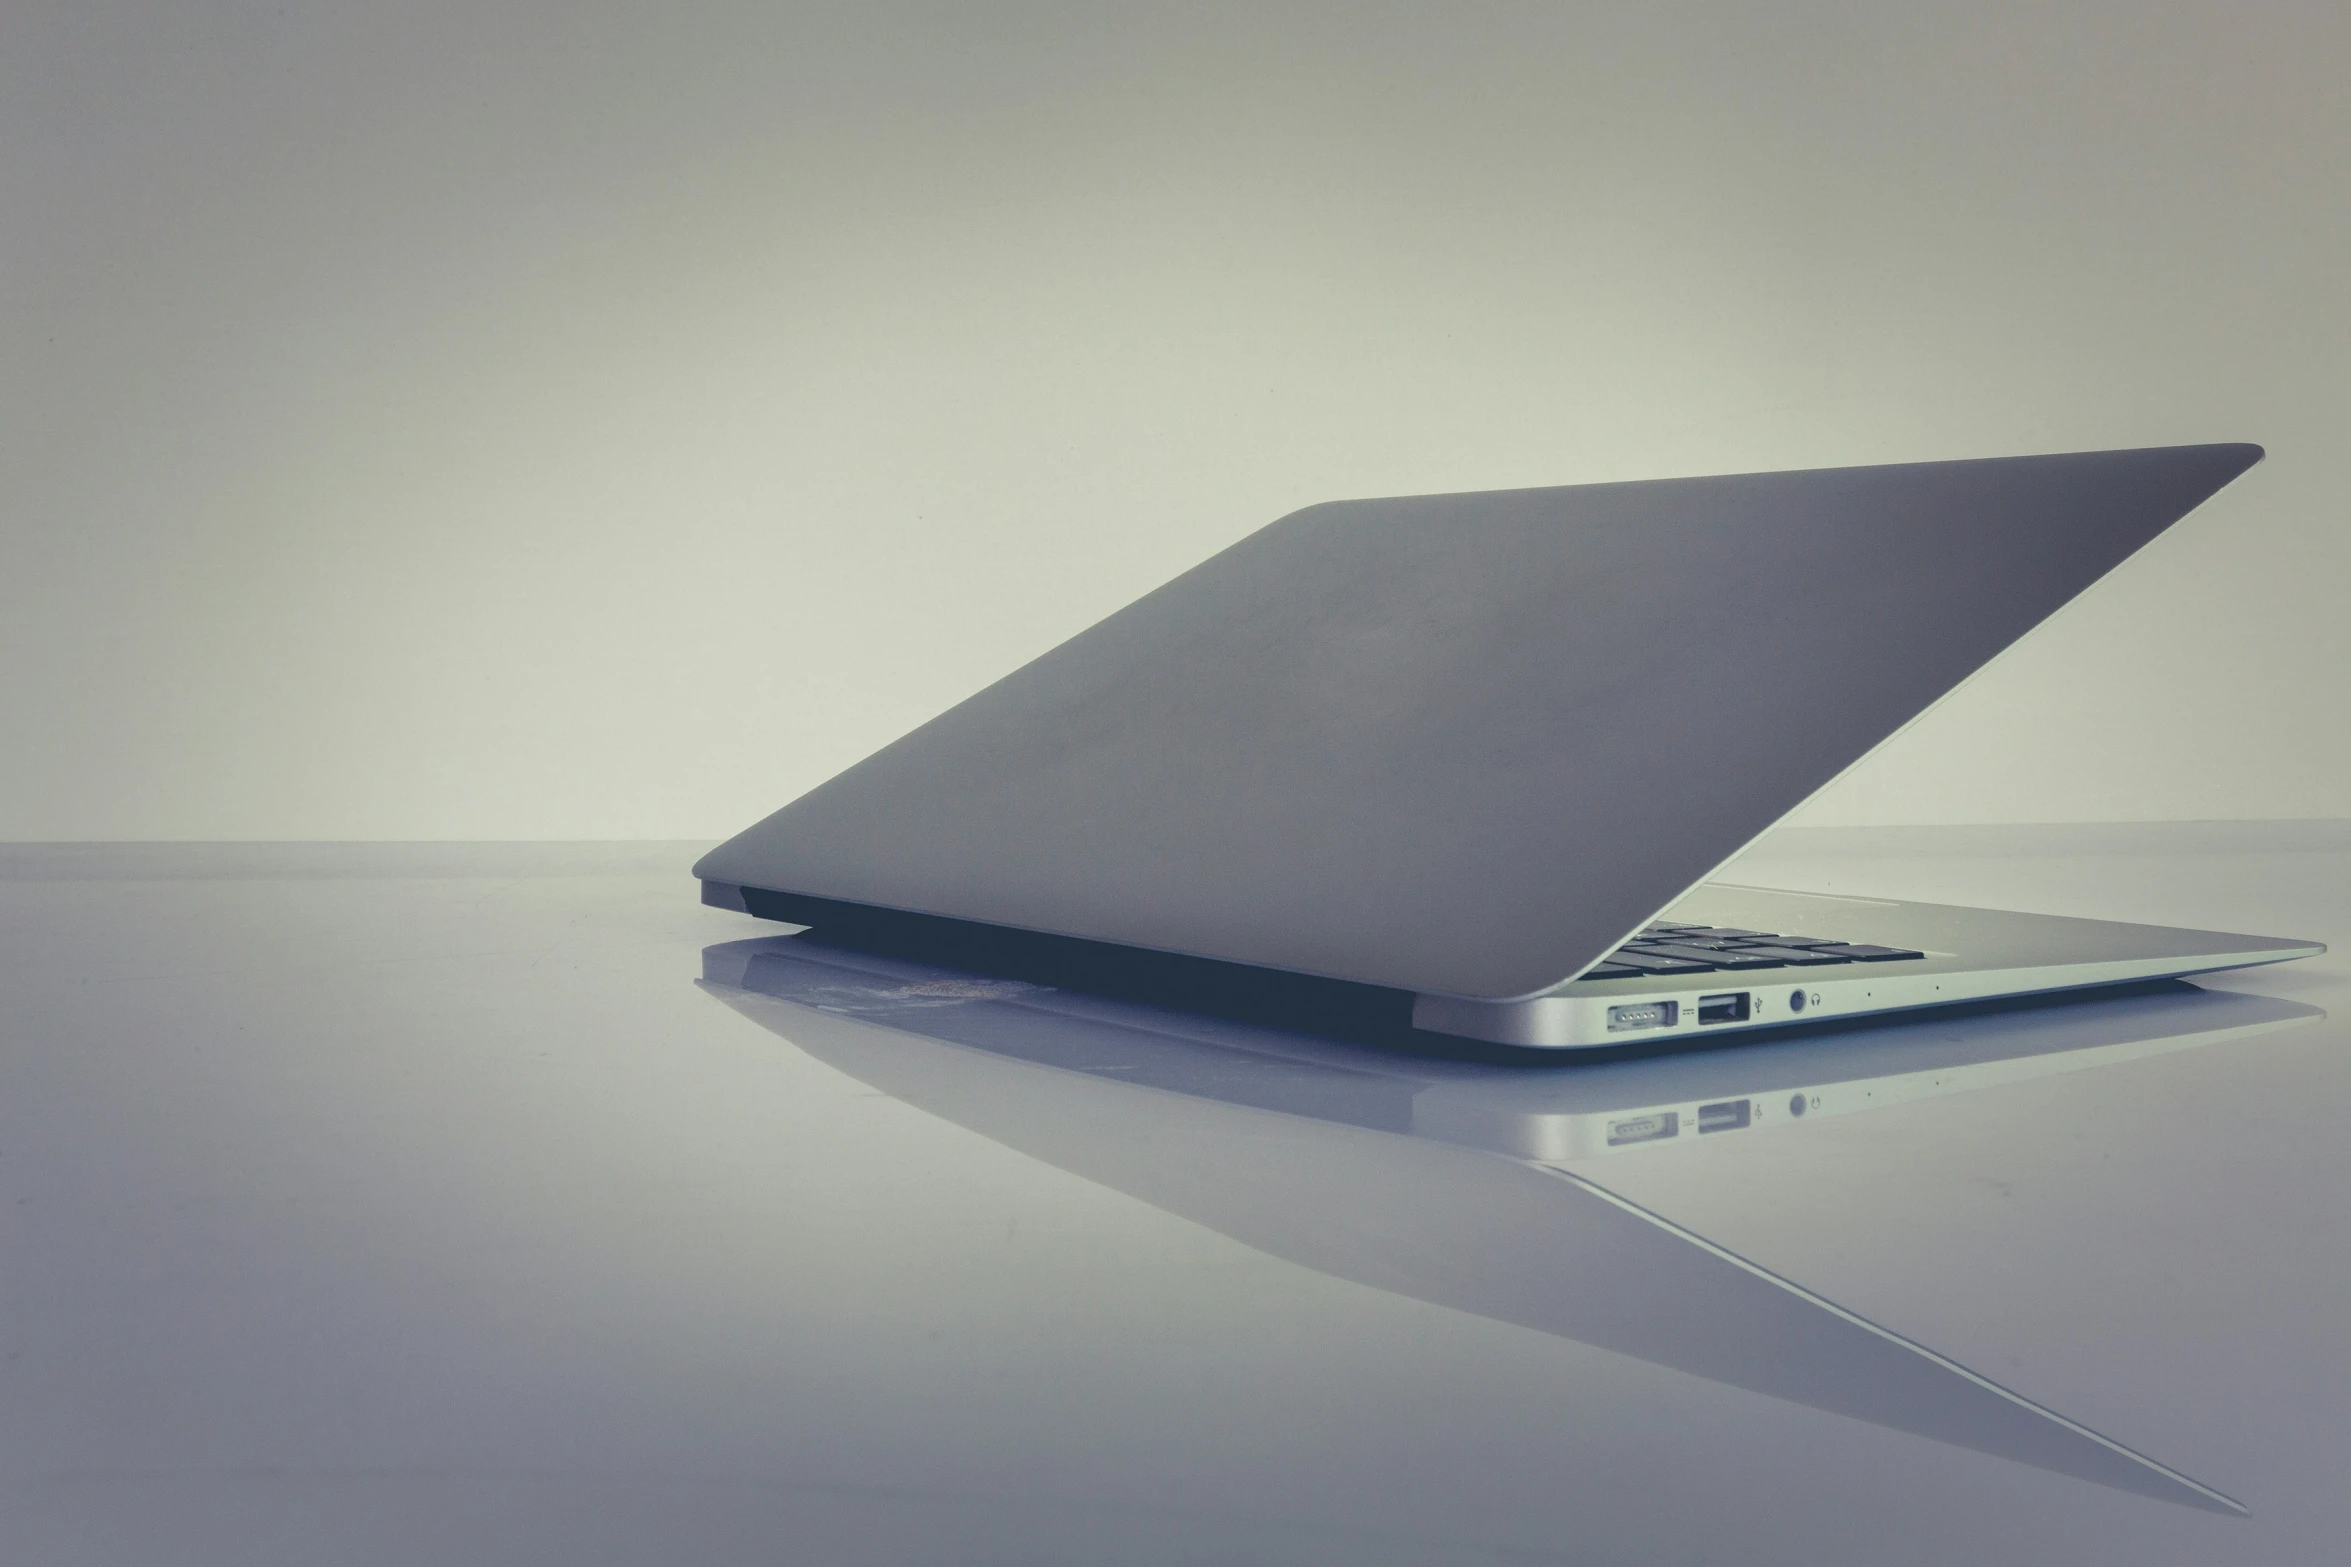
(501, 1204)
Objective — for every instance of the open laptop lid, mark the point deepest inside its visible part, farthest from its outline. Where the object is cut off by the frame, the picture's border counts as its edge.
(1465, 744)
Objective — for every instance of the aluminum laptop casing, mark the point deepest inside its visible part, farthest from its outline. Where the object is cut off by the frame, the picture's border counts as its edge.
(1463, 745)
(1965, 955)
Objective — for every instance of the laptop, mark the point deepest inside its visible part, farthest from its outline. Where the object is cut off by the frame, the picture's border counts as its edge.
(1477, 756)
(1480, 1185)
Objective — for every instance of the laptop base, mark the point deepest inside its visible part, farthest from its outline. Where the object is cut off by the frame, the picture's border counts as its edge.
(1964, 955)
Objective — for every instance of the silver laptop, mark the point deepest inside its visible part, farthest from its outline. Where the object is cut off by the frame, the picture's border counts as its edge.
(1479, 1185)
(1478, 755)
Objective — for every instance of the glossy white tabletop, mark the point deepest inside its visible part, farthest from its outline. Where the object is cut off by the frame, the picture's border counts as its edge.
(389, 1204)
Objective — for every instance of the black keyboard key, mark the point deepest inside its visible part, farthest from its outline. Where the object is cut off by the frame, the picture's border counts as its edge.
(1611, 971)
(1725, 958)
(1869, 954)
(1657, 963)
(1795, 957)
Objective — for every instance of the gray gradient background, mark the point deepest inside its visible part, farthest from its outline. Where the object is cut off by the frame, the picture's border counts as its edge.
(570, 421)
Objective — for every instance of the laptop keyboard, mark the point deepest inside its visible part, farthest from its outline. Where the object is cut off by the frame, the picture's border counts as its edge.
(1668, 948)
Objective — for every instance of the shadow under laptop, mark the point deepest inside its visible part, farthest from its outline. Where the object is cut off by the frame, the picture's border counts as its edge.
(1431, 1176)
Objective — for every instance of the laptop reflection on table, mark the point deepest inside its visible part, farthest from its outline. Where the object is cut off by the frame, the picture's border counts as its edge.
(1439, 1177)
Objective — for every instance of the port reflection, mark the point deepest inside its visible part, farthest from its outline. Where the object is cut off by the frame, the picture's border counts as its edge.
(1437, 1178)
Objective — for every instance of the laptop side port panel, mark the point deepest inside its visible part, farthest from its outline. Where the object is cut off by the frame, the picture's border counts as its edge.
(1643, 1014)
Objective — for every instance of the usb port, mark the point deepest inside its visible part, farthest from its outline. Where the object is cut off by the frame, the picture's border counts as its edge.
(1644, 1128)
(1727, 1116)
(1731, 1008)
(1643, 1014)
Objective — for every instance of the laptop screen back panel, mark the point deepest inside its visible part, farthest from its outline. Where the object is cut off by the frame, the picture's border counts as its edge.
(1463, 744)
